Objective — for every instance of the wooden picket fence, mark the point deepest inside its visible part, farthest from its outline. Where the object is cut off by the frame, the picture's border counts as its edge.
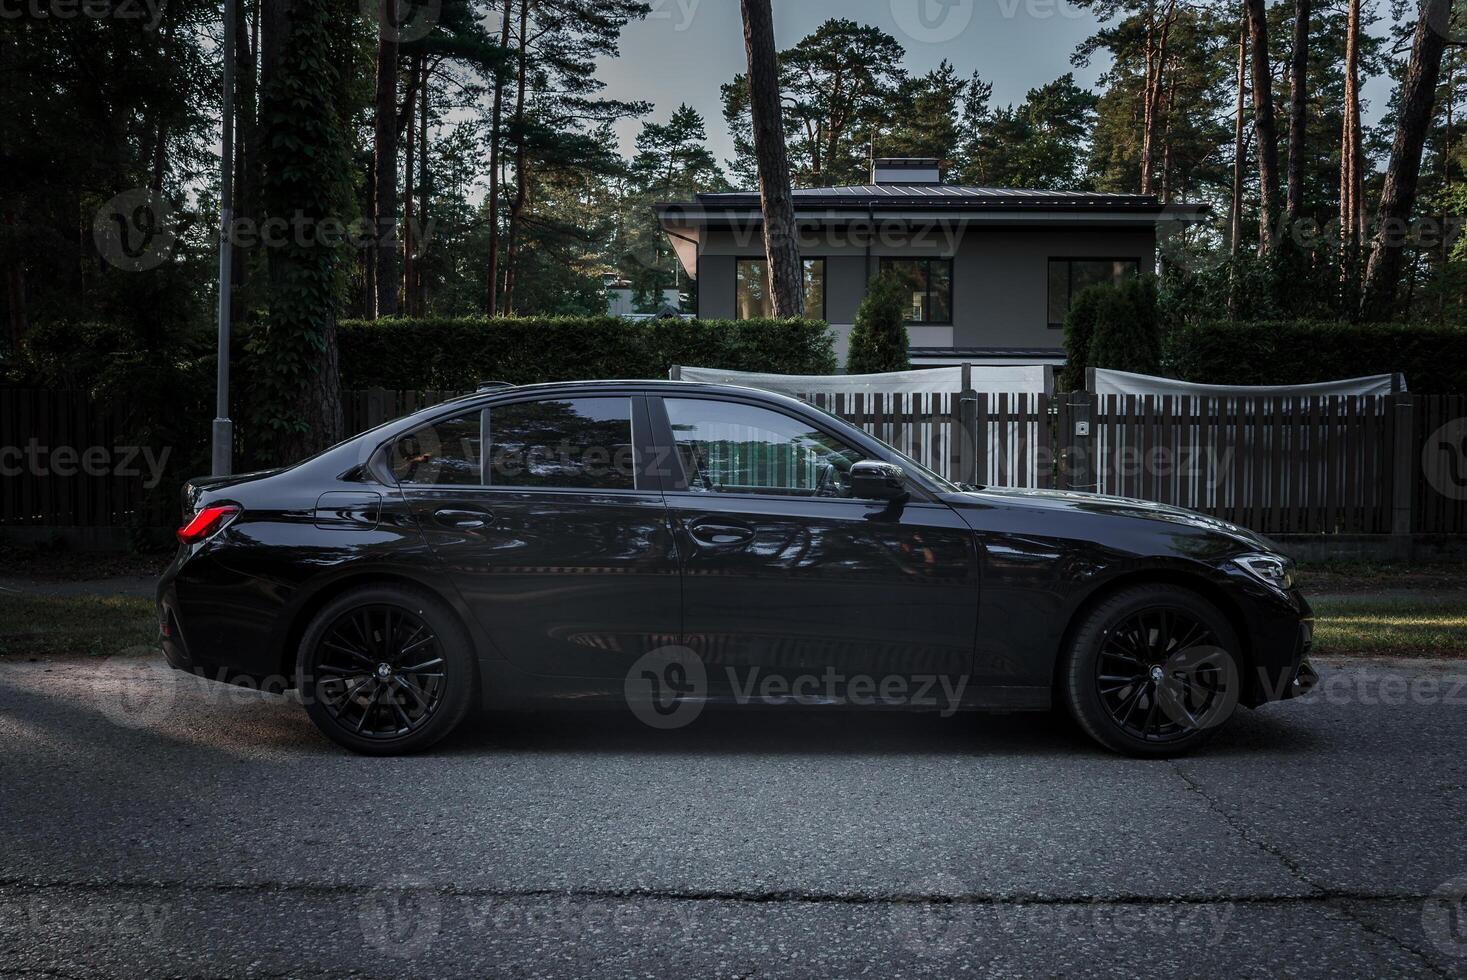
(1380, 465)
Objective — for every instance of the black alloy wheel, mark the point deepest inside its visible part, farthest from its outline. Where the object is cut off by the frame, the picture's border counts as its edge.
(386, 670)
(1153, 670)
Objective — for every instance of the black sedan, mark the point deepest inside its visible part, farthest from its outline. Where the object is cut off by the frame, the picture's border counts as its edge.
(666, 546)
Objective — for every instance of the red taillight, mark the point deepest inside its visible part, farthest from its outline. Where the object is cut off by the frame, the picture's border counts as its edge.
(206, 522)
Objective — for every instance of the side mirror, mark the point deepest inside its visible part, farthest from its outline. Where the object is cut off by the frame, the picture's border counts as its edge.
(873, 480)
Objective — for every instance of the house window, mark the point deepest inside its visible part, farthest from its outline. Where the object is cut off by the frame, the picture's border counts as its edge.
(929, 284)
(1069, 277)
(753, 299)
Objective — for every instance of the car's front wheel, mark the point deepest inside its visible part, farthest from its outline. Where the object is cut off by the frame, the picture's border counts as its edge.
(1153, 670)
(386, 670)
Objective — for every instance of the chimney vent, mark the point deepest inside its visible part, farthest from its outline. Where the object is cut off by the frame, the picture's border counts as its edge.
(906, 170)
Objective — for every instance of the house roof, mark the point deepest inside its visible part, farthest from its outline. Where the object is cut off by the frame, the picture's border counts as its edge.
(922, 196)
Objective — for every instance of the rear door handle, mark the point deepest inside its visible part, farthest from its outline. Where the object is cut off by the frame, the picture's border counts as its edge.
(721, 535)
(463, 519)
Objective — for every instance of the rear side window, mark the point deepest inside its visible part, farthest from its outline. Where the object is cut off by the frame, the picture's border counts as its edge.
(569, 444)
(448, 453)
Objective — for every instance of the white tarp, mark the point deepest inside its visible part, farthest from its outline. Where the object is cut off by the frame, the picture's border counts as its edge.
(1122, 383)
(1006, 379)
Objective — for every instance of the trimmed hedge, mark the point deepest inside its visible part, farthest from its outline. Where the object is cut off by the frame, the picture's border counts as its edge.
(1433, 358)
(447, 354)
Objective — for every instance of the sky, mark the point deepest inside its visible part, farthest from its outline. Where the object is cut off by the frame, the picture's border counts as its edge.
(687, 49)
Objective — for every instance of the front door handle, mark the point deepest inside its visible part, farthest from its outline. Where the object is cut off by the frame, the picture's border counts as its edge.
(463, 519)
(721, 535)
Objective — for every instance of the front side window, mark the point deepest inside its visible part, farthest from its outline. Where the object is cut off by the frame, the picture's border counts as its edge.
(447, 453)
(568, 444)
(753, 299)
(1068, 278)
(726, 447)
(929, 287)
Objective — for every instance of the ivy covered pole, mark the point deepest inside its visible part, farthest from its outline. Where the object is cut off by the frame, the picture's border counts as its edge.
(223, 427)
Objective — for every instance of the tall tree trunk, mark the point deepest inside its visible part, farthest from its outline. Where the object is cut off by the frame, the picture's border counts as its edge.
(409, 150)
(1298, 106)
(1350, 155)
(1417, 102)
(521, 168)
(246, 146)
(781, 242)
(424, 196)
(385, 176)
(1263, 126)
(15, 294)
(1235, 210)
(1156, 56)
(496, 128)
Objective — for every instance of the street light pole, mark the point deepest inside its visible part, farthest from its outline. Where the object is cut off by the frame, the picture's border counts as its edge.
(223, 427)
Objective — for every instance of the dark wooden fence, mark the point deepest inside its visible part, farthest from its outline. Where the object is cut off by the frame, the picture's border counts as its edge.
(1381, 465)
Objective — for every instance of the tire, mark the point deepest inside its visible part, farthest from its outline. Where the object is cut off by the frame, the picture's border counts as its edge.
(386, 670)
(1152, 671)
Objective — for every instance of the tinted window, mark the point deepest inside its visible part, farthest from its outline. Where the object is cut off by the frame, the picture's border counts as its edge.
(929, 286)
(1068, 278)
(753, 300)
(443, 454)
(573, 444)
(731, 448)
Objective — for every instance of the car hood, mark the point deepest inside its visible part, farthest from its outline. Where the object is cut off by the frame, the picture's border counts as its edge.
(1073, 501)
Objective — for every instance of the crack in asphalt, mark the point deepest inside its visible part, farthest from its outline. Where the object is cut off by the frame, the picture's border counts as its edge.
(1237, 826)
(1334, 899)
(1320, 897)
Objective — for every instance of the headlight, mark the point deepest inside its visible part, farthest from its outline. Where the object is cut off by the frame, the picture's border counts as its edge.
(1274, 570)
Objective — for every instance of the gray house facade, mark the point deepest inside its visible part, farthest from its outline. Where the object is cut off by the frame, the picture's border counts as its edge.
(990, 271)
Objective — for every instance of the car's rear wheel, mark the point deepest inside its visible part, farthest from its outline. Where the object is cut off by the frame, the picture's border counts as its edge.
(1153, 670)
(386, 670)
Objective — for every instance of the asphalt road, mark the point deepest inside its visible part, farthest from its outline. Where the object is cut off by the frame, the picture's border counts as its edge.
(155, 824)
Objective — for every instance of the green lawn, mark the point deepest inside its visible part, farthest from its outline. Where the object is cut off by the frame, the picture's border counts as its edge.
(1420, 625)
(32, 626)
